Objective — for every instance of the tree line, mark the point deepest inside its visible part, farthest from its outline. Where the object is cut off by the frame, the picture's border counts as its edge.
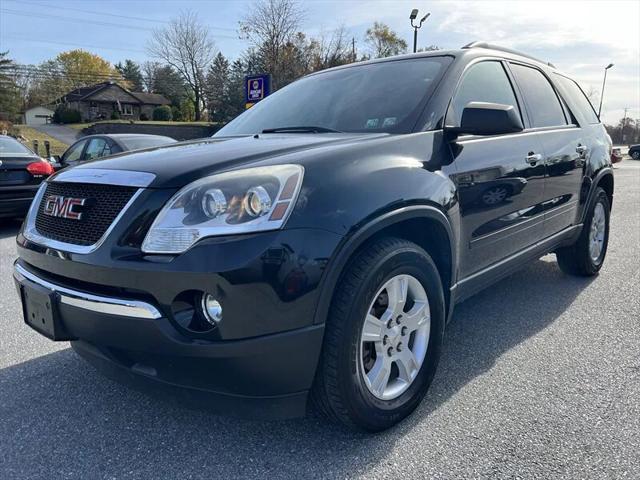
(187, 68)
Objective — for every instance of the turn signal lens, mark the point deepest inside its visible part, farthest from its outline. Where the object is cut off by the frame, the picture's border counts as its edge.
(40, 168)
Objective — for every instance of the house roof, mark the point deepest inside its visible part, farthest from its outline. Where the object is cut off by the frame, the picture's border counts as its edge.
(85, 93)
(152, 98)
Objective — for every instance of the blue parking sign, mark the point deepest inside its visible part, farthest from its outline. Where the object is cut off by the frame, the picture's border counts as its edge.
(256, 87)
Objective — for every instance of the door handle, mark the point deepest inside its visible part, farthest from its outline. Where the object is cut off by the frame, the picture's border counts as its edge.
(533, 158)
(581, 149)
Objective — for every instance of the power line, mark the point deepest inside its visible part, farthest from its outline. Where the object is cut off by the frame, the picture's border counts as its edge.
(115, 15)
(93, 22)
(71, 44)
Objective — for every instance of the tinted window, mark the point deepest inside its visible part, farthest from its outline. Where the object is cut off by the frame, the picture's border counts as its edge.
(483, 82)
(378, 97)
(136, 143)
(543, 105)
(10, 146)
(98, 147)
(578, 98)
(73, 154)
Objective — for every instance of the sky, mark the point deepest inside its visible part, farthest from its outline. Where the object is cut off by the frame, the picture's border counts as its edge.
(579, 37)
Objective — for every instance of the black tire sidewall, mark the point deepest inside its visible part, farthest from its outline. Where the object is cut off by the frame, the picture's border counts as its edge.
(601, 198)
(368, 409)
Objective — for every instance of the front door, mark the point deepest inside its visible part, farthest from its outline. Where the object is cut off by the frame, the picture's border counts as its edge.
(500, 178)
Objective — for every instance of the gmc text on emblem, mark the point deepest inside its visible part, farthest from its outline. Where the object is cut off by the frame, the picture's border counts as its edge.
(63, 207)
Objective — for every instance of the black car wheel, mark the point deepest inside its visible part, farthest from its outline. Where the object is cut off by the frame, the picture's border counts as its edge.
(636, 155)
(586, 256)
(383, 336)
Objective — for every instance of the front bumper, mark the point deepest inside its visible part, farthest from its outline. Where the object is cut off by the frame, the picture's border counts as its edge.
(116, 310)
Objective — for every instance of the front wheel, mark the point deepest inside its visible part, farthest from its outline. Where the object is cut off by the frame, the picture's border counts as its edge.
(636, 155)
(383, 337)
(586, 256)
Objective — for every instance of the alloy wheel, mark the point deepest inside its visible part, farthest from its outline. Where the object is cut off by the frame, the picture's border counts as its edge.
(394, 337)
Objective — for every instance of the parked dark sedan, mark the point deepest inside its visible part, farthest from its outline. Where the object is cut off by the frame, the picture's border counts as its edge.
(634, 152)
(93, 147)
(21, 172)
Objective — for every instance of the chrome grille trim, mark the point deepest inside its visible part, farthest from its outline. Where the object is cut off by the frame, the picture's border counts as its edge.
(31, 233)
(123, 178)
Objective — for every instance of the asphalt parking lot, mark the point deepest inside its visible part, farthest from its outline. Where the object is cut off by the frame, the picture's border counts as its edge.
(540, 378)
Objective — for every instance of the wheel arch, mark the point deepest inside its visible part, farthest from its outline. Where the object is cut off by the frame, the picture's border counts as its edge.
(603, 179)
(425, 225)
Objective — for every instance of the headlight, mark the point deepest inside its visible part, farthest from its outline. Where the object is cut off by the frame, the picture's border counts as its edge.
(241, 201)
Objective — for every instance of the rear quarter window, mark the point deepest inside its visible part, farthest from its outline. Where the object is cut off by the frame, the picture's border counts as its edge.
(577, 98)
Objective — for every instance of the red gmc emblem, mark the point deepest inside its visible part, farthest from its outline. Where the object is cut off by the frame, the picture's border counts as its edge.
(63, 207)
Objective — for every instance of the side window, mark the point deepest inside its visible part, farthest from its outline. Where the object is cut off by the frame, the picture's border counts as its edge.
(97, 148)
(578, 98)
(73, 154)
(483, 82)
(542, 102)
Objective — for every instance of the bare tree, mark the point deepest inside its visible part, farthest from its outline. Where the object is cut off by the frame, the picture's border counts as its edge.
(186, 45)
(270, 27)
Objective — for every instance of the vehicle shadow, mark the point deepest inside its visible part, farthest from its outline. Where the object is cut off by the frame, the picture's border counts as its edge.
(58, 415)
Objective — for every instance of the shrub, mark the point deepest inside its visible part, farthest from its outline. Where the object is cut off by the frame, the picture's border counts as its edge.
(162, 113)
(115, 115)
(66, 115)
(144, 117)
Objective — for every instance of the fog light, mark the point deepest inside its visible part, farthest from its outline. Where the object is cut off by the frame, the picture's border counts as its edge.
(211, 308)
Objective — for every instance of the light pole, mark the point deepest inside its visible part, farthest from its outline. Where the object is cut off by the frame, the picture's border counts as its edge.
(604, 80)
(412, 17)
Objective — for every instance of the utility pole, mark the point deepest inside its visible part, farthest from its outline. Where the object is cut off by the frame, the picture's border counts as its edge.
(353, 48)
(624, 124)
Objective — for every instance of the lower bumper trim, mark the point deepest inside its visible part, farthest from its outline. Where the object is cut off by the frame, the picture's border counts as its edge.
(92, 302)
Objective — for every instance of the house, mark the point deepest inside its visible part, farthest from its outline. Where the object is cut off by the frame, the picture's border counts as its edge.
(37, 115)
(98, 102)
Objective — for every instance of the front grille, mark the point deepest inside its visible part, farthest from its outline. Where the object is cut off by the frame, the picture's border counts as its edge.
(102, 206)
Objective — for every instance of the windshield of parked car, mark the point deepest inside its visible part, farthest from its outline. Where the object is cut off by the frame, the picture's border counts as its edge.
(10, 146)
(376, 97)
(136, 143)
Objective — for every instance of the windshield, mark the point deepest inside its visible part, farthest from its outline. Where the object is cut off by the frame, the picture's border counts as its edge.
(10, 146)
(377, 97)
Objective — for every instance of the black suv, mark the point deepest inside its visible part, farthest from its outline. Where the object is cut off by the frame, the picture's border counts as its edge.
(315, 247)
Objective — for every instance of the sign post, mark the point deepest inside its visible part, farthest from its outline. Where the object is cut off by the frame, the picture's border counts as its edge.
(256, 87)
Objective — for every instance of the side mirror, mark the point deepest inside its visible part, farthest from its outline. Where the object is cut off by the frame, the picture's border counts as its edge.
(55, 161)
(480, 118)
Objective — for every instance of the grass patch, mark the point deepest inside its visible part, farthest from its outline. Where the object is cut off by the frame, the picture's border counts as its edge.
(31, 134)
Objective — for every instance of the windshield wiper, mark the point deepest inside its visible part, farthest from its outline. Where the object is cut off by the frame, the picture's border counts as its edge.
(300, 130)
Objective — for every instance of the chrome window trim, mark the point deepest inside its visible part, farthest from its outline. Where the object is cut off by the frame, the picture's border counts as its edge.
(103, 176)
(89, 301)
(31, 233)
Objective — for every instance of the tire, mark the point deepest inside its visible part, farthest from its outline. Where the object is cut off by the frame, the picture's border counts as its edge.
(636, 155)
(577, 259)
(341, 392)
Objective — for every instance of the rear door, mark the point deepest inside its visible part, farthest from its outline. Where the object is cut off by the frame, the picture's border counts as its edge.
(500, 178)
(564, 143)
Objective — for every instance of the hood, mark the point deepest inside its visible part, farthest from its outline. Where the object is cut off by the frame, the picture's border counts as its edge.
(178, 164)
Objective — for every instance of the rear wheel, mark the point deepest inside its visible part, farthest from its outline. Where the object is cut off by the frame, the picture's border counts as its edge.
(636, 155)
(383, 337)
(586, 256)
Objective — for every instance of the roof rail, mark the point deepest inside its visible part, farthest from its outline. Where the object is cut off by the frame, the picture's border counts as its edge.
(504, 49)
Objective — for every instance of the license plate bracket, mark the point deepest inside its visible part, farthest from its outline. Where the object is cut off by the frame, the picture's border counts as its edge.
(39, 308)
